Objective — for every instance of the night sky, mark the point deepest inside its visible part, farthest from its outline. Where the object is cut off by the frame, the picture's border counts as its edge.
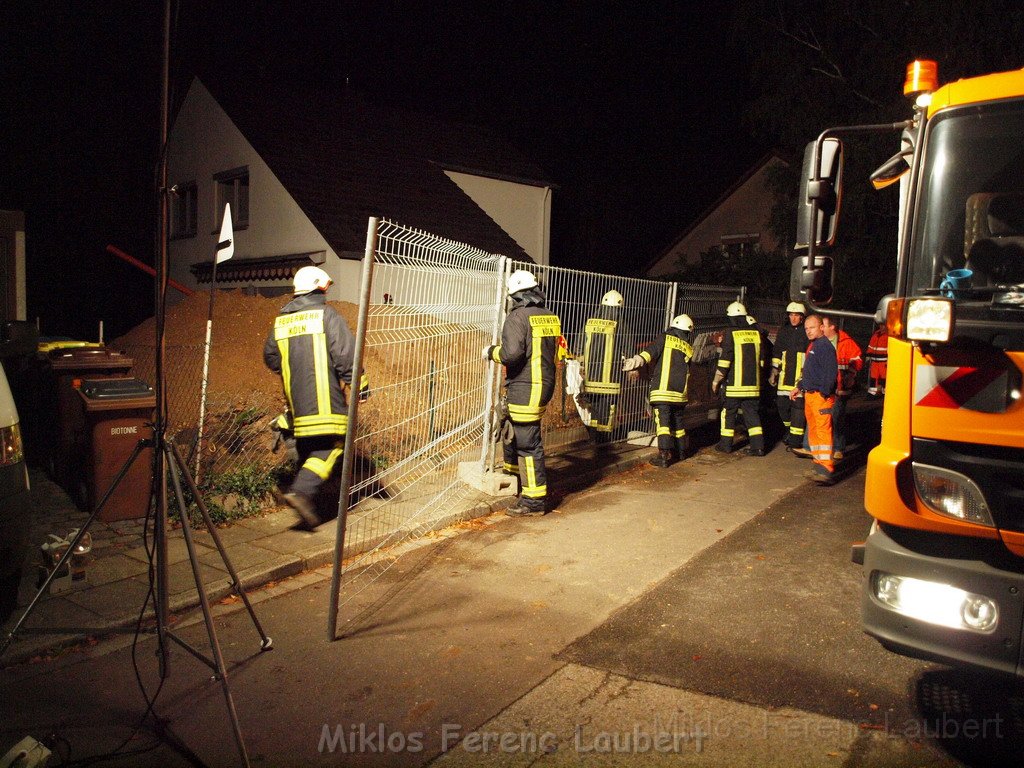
(633, 109)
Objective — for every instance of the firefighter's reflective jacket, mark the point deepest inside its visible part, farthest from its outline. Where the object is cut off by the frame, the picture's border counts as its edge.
(741, 362)
(788, 355)
(529, 343)
(602, 357)
(311, 347)
(669, 358)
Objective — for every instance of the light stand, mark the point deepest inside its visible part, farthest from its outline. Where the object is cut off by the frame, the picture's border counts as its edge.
(166, 458)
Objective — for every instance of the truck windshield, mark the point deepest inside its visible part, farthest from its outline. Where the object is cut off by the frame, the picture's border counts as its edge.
(971, 214)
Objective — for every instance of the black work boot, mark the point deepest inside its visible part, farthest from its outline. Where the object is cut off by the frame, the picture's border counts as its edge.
(663, 459)
(306, 509)
(683, 446)
(524, 506)
(724, 445)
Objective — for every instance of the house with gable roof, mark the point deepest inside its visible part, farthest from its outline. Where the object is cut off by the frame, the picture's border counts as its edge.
(304, 170)
(739, 218)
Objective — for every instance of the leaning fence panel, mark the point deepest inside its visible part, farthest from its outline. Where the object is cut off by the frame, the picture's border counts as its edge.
(431, 312)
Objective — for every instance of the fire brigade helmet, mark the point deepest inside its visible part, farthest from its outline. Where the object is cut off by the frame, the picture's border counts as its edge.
(521, 280)
(309, 279)
(751, 320)
(682, 323)
(736, 309)
(612, 299)
(796, 308)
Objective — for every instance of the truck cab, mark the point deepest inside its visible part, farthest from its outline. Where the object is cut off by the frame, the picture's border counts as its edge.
(943, 564)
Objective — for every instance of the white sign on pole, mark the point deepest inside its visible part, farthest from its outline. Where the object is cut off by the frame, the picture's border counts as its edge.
(226, 241)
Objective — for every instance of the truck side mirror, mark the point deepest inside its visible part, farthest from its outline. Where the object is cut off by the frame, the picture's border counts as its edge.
(824, 187)
(814, 285)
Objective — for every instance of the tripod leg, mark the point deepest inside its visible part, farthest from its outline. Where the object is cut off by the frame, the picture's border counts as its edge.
(175, 456)
(204, 601)
(74, 543)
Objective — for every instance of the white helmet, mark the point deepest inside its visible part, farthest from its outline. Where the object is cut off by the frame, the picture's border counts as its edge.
(521, 280)
(735, 309)
(682, 322)
(796, 308)
(612, 299)
(751, 320)
(309, 279)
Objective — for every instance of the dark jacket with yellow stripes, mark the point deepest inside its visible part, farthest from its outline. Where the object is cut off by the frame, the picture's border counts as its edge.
(529, 343)
(788, 355)
(669, 358)
(312, 348)
(743, 356)
(602, 354)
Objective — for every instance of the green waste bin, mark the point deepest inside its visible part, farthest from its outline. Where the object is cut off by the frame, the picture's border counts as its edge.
(117, 414)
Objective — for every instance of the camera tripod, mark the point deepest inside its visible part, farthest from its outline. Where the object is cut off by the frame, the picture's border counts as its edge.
(167, 455)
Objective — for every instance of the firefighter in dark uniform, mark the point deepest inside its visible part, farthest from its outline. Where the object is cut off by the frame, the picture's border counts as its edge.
(602, 366)
(743, 358)
(311, 347)
(528, 349)
(669, 357)
(787, 365)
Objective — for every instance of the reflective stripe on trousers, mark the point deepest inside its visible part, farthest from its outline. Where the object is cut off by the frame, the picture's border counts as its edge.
(818, 410)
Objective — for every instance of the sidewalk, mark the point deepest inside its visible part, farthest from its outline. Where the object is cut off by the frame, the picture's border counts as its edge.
(262, 550)
(714, 601)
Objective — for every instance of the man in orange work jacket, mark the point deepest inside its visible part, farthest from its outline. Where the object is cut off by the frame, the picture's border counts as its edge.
(817, 385)
(849, 361)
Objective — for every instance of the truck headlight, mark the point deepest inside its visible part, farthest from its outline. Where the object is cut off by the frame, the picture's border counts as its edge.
(10, 445)
(929, 320)
(935, 603)
(951, 494)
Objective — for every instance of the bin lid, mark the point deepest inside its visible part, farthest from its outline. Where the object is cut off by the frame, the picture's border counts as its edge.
(86, 358)
(49, 345)
(115, 389)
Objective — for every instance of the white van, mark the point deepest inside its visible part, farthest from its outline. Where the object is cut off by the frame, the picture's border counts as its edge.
(15, 510)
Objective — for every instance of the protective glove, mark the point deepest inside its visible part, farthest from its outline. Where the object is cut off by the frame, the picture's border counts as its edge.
(488, 351)
(719, 376)
(508, 432)
(364, 388)
(632, 363)
(773, 377)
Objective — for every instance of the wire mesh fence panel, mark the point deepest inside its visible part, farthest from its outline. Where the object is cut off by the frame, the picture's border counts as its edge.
(705, 304)
(576, 297)
(236, 465)
(432, 311)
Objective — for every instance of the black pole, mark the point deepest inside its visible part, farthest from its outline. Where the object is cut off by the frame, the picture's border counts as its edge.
(160, 426)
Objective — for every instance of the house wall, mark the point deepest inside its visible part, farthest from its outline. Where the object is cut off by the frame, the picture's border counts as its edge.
(204, 142)
(13, 303)
(746, 211)
(522, 210)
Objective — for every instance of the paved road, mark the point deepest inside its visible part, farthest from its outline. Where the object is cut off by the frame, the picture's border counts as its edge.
(713, 602)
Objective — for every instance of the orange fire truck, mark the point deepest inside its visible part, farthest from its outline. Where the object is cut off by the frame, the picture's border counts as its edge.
(943, 564)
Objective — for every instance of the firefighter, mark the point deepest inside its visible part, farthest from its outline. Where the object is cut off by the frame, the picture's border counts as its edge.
(743, 357)
(787, 362)
(311, 347)
(669, 357)
(528, 349)
(602, 366)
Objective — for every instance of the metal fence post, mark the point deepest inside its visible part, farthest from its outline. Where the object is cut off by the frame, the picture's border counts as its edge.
(673, 297)
(348, 459)
(488, 437)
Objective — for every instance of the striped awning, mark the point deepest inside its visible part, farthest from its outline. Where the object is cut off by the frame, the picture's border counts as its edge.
(240, 269)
